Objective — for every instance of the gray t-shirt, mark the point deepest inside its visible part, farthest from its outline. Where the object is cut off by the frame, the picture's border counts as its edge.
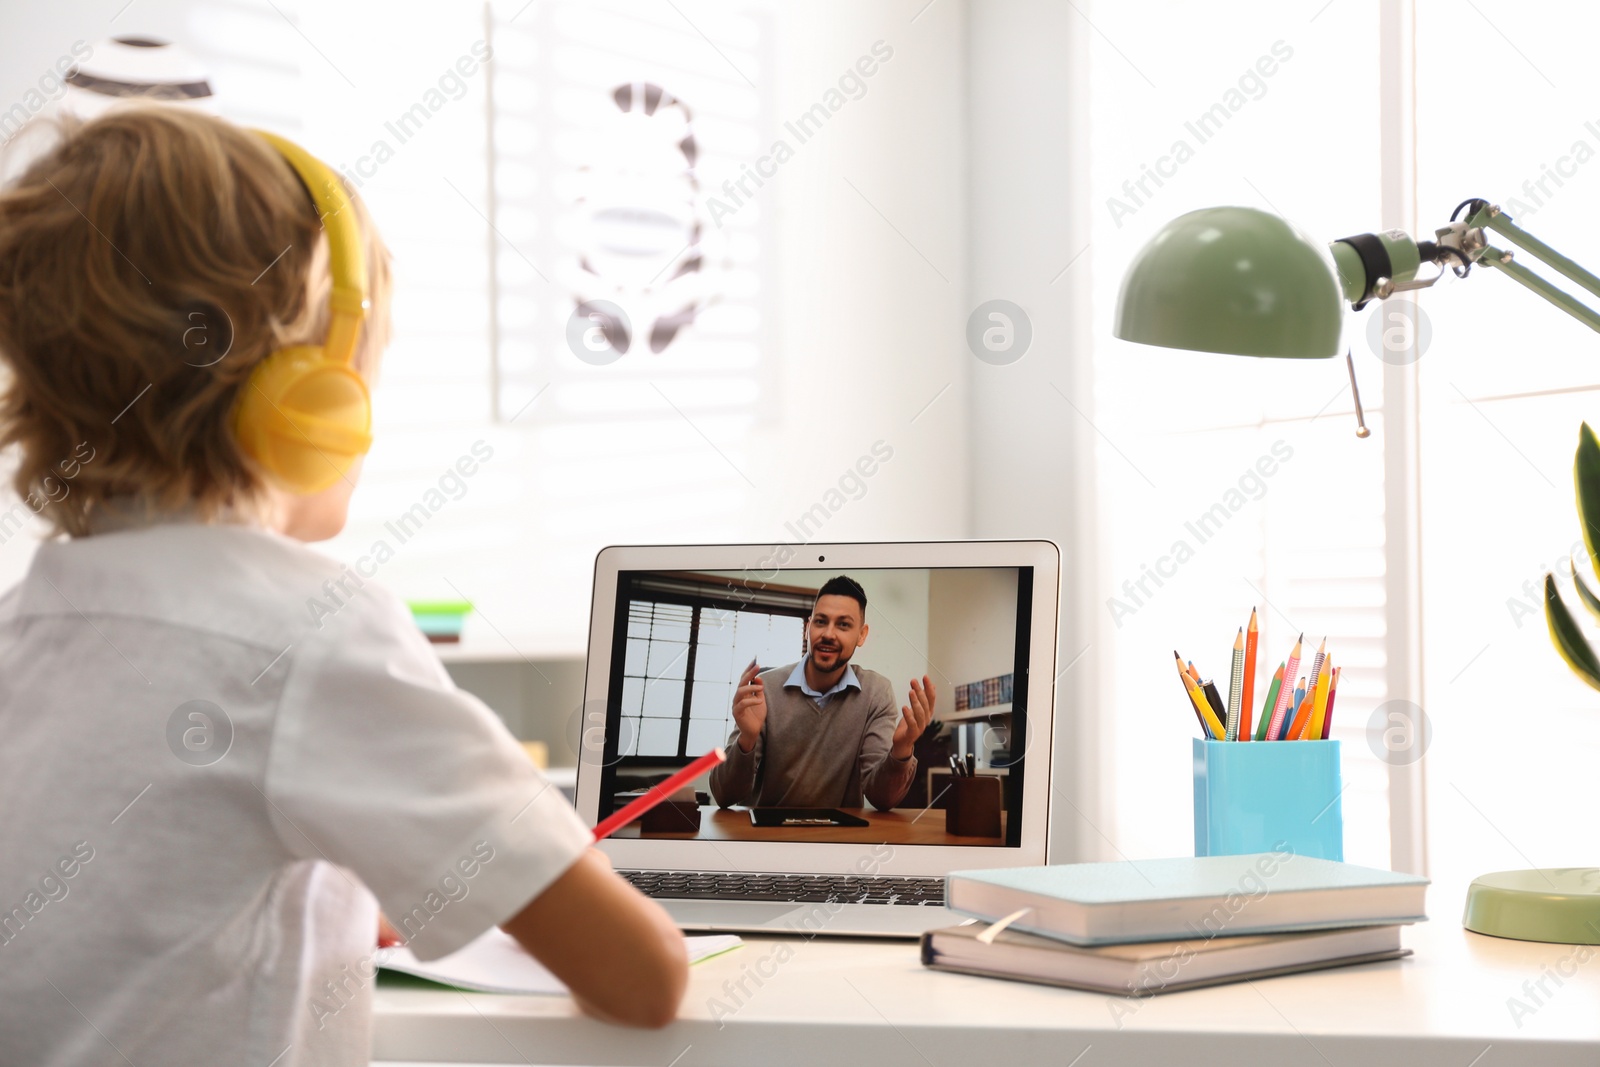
(808, 756)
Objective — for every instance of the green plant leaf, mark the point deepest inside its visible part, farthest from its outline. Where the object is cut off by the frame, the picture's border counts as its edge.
(1590, 601)
(1568, 639)
(1586, 475)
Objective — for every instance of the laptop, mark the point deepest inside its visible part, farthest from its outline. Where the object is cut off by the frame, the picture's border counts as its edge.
(818, 830)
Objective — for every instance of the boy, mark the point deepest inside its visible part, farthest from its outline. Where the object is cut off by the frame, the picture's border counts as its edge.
(207, 797)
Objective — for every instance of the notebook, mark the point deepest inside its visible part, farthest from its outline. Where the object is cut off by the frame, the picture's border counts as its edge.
(1191, 896)
(496, 963)
(1150, 967)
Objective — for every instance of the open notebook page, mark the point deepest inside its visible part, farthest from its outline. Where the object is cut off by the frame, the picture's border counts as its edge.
(495, 963)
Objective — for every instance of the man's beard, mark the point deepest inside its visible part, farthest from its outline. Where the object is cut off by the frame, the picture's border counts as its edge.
(841, 660)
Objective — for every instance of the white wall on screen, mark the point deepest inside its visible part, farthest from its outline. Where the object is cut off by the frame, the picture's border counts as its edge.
(972, 627)
(897, 615)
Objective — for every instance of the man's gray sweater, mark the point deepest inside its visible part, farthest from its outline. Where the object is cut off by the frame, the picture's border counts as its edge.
(818, 757)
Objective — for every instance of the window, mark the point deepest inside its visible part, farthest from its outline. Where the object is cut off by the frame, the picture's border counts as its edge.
(598, 454)
(1504, 382)
(493, 207)
(1199, 115)
(686, 648)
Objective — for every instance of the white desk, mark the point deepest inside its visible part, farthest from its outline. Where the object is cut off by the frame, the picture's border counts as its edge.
(842, 1002)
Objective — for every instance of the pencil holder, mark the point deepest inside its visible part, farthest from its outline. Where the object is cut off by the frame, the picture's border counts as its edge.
(1267, 796)
(973, 809)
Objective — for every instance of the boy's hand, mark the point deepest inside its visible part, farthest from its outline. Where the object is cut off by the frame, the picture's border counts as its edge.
(388, 936)
(617, 951)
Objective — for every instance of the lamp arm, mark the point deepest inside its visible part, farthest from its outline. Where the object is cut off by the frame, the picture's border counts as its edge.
(1492, 218)
(1378, 265)
(1494, 257)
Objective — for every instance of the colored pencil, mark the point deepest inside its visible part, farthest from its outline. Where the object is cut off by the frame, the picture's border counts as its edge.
(657, 793)
(1285, 694)
(1294, 706)
(1267, 705)
(1247, 702)
(1302, 715)
(1194, 674)
(1319, 706)
(1311, 689)
(1333, 691)
(1316, 665)
(1208, 710)
(1218, 708)
(1235, 686)
(1196, 698)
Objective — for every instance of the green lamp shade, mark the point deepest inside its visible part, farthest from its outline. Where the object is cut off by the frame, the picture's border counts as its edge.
(1234, 280)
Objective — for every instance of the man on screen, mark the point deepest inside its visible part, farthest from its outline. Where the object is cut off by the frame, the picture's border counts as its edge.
(820, 733)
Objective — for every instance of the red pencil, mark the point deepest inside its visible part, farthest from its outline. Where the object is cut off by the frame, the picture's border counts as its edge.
(657, 793)
(1327, 716)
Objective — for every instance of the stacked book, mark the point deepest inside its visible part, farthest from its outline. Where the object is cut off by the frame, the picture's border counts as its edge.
(1159, 926)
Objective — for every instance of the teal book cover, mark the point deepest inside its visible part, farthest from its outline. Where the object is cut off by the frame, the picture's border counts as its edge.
(1184, 877)
(1205, 896)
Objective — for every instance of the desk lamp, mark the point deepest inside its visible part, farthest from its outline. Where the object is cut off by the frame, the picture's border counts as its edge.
(1242, 281)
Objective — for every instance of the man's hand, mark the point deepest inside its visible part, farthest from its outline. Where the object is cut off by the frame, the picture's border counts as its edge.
(914, 718)
(749, 708)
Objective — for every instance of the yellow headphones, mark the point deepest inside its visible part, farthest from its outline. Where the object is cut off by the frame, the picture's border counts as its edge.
(305, 415)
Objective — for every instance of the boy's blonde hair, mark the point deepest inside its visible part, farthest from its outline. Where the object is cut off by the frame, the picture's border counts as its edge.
(145, 245)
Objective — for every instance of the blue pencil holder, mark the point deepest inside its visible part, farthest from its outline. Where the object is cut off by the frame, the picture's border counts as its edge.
(1265, 796)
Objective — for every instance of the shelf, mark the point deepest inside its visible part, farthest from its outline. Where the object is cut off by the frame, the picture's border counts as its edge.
(493, 649)
(974, 714)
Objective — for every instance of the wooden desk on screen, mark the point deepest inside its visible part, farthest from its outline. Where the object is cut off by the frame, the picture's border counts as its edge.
(913, 826)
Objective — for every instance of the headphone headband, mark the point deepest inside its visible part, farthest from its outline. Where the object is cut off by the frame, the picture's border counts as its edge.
(348, 304)
(304, 416)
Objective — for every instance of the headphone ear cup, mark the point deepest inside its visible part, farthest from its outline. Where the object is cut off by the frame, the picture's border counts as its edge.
(304, 419)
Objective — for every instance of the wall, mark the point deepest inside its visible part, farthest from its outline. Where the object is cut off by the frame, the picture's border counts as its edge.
(870, 275)
(897, 626)
(540, 700)
(972, 627)
(1031, 444)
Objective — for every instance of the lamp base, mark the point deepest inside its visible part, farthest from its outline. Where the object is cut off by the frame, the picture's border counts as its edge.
(1558, 905)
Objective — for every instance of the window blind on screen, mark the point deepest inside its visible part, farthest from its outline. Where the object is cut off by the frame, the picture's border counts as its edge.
(681, 667)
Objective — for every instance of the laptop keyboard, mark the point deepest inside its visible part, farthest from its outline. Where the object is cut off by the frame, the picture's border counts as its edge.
(837, 888)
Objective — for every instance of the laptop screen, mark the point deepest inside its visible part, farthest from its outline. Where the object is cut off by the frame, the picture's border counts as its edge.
(873, 705)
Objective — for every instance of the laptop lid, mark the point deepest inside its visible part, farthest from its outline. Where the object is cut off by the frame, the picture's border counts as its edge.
(674, 627)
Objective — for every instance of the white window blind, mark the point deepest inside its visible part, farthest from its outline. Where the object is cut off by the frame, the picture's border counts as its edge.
(665, 641)
(654, 446)
(654, 676)
(728, 641)
(1226, 482)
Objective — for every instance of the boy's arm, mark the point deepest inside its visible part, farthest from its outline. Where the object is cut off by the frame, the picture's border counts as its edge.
(615, 949)
(378, 764)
